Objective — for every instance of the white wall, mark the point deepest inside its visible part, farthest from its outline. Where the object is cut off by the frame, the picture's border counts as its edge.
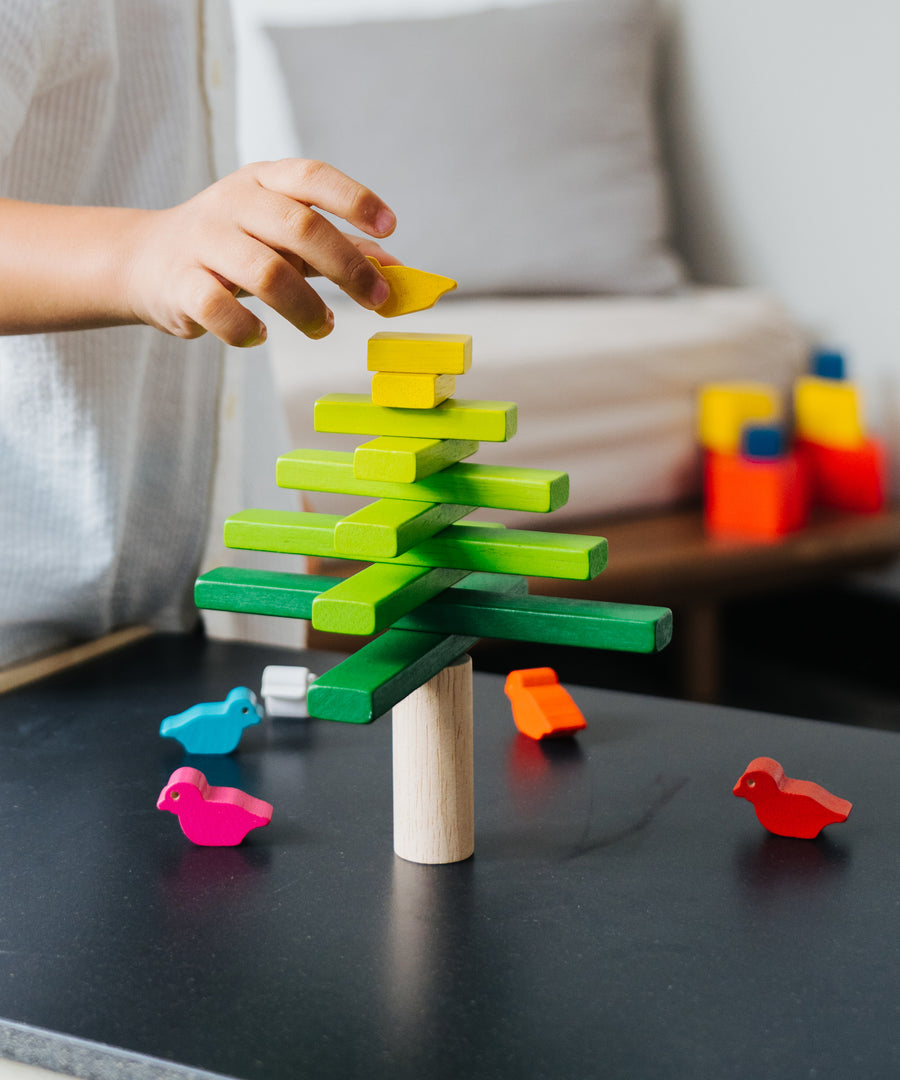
(785, 137)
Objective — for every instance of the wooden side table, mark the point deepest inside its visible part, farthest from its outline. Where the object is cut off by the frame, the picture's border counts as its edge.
(668, 559)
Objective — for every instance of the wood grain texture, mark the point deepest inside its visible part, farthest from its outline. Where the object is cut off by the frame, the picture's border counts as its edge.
(496, 487)
(433, 768)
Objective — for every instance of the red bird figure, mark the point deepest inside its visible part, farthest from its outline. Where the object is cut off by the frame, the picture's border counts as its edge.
(788, 807)
(211, 816)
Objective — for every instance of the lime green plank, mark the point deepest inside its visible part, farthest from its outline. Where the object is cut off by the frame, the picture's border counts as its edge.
(462, 547)
(394, 459)
(389, 527)
(498, 487)
(374, 678)
(439, 354)
(291, 595)
(354, 414)
(377, 596)
(390, 668)
(474, 606)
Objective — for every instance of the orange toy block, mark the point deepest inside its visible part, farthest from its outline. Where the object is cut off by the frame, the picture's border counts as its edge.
(754, 499)
(541, 707)
(854, 480)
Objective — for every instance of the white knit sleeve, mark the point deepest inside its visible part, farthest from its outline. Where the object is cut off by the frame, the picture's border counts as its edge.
(22, 46)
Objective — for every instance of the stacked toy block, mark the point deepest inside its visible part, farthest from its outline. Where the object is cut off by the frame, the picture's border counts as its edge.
(435, 582)
(761, 478)
(846, 467)
(754, 485)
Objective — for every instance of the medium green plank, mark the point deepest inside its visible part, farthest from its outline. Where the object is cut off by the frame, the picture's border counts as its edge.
(374, 678)
(462, 547)
(389, 527)
(370, 601)
(499, 487)
(398, 460)
(388, 669)
(594, 624)
(354, 414)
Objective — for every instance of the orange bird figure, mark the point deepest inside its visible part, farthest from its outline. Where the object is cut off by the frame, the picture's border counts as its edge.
(788, 807)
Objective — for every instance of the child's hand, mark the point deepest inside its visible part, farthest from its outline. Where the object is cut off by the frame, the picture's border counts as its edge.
(256, 232)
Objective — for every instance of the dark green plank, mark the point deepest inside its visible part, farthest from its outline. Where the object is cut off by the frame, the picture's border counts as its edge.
(465, 609)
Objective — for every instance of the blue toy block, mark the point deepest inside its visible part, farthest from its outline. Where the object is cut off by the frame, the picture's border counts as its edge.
(761, 442)
(828, 364)
(215, 727)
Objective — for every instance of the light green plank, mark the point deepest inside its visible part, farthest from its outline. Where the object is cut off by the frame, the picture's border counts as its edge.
(377, 596)
(354, 414)
(462, 547)
(464, 609)
(393, 459)
(389, 527)
(498, 487)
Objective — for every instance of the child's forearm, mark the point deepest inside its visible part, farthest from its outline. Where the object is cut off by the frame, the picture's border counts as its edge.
(257, 231)
(64, 267)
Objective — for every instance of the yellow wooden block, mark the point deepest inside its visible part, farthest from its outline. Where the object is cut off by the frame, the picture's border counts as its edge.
(725, 408)
(411, 289)
(442, 354)
(420, 391)
(828, 412)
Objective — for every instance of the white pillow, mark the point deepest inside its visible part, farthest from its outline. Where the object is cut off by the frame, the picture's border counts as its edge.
(517, 145)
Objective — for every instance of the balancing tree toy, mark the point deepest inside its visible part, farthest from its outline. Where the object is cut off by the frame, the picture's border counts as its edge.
(436, 582)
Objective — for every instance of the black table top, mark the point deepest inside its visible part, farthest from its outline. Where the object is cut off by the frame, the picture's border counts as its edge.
(624, 915)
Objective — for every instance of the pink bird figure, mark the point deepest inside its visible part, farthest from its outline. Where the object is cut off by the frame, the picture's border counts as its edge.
(786, 807)
(208, 815)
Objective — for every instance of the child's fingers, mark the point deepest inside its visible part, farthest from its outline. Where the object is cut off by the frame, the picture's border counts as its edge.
(257, 269)
(318, 184)
(310, 243)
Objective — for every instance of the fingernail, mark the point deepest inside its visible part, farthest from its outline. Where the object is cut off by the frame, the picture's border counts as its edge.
(385, 220)
(324, 329)
(380, 292)
(256, 338)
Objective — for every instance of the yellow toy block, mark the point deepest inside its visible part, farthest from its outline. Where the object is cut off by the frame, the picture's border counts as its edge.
(422, 391)
(441, 354)
(828, 412)
(725, 408)
(411, 289)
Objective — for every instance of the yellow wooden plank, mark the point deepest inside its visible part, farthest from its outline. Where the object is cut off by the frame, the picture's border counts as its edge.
(420, 390)
(442, 354)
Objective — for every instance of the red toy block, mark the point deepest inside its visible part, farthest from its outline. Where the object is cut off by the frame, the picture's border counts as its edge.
(786, 807)
(847, 479)
(754, 499)
(541, 707)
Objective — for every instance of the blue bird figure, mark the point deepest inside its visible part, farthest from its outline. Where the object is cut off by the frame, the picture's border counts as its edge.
(215, 727)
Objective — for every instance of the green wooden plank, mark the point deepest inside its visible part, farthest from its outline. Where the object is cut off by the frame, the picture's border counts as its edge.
(388, 669)
(354, 414)
(449, 354)
(471, 607)
(394, 459)
(368, 602)
(389, 527)
(462, 547)
(374, 678)
(498, 487)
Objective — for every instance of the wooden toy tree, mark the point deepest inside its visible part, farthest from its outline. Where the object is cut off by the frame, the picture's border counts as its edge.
(435, 585)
